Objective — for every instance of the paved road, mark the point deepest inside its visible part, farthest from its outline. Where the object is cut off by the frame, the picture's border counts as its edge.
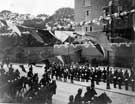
(64, 90)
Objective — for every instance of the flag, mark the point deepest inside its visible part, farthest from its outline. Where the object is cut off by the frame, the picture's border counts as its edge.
(62, 36)
(23, 69)
(4, 22)
(99, 48)
(100, 38)
(60, 58)
(36, 36)
(13, 27)
(48, 36)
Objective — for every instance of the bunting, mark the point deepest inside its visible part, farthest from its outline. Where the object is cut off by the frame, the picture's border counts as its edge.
(47, 36)
(13, 27)
(98, 47)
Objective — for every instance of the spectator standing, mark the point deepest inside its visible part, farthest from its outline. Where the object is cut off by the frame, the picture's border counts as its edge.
(87, 96)
(78, 98)
(71, 99)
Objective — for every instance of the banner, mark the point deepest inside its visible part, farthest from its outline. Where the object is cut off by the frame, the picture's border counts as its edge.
(61, 59)
(100, 38)
(61, 35)
(36, 36)
(14, 28)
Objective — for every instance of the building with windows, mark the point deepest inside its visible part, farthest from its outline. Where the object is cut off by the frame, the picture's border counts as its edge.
(120, 32)
(86, 10)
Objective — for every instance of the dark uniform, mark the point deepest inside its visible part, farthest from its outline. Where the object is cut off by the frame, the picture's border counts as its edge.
(132, 78)
(35, 81)
(104, 75)
(92, 80)
(45, 80)
(30, 74)
(2, 70)
(126, 79)
(120, 78)
(65, 74)
(115, 76)
(17, 74)
(71, 75)
(11, 73)
(108, 78)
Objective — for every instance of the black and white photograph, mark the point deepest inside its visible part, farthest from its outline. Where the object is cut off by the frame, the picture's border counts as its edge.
(67, 51)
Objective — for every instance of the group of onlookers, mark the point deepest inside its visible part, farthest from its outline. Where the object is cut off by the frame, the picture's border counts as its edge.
(88, 96)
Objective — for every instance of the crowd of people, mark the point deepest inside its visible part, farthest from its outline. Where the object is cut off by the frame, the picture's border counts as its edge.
(108, 75)
(29, 87)
(12, 79)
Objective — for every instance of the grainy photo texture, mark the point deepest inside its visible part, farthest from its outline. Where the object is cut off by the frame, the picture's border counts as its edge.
(67, 51)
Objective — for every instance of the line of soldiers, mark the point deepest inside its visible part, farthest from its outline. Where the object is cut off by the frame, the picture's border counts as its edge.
(94, 74)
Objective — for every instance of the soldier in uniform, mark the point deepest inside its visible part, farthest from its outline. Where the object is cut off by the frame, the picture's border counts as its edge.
(71, 75)
(96, 76)
(30, 73)
(87, 75)
(132, 78)
(111, 75)
(11, 73)
(17, 74)
(120, 78)
(65, 74)
(92, 80)
(126, 79)
(104, 75)
(35, 81)
(108, 78)
(115, 76)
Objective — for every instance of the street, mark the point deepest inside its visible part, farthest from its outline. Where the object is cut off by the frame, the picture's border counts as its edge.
(64, 90)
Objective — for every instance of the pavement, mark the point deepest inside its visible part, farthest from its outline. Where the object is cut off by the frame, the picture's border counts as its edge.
(64, 90)
(102, 86)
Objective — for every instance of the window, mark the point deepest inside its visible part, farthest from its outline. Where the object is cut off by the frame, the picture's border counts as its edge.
(84, 2)
(86, 29)
(90, 28)
(87, 13)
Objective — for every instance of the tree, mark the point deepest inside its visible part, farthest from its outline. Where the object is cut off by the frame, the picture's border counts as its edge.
(35, 23)
(62, 16)
(5, 12)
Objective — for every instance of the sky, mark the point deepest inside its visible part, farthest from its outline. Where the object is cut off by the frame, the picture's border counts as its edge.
(35, 6)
